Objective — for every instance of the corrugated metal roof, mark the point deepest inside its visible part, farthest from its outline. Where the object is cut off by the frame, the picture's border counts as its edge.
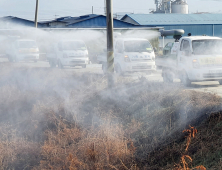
(83, 18)
(88, 21)
(97, 21)
(16, 20)
(85, 21)
(175, 19)
(70, 20)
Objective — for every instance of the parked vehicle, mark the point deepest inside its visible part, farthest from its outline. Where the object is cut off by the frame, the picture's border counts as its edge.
(23, 50)
(68, 53)
(192, 59)
(131, 55)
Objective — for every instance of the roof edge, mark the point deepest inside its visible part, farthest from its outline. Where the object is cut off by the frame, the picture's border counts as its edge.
(96, 17)
(127, 15)
(83, 20)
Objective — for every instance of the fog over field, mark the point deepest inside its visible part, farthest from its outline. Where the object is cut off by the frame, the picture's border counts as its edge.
(55, 119)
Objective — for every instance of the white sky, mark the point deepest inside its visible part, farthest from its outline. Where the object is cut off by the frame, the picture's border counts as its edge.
(49, 9)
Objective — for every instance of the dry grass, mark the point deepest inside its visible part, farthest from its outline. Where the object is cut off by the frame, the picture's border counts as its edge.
(52, 119)
(205, 149)
(98, 148)
(15, 152)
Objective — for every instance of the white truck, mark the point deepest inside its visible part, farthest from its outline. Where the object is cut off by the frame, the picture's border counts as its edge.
(23, 50)
(131, 55)
(68, 53)
(192, 59)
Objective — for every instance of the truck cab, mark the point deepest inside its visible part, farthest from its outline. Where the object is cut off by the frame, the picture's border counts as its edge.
(133, 55)
(199, 58)
(68, 53)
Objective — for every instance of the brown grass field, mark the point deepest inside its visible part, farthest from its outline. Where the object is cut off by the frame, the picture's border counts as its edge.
(52, 119)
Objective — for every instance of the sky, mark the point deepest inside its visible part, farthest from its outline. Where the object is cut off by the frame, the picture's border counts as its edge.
(50, 9)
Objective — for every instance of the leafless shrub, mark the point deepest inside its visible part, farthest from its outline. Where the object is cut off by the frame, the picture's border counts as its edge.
(17, 153)
(103, 147)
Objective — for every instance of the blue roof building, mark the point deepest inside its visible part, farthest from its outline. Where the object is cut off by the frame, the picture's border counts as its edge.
(11, 21)
(196, 24)
(85, 21)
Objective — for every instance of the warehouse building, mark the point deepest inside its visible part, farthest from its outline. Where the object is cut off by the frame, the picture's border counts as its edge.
(85, 21)
(12, 22)
(196, 24)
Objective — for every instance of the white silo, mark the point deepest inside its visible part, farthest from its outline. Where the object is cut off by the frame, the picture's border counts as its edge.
(179, 6)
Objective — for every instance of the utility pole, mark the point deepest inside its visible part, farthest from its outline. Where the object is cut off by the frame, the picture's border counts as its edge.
(110, 51)
(36, 13)
(92, 9)
(105, 7)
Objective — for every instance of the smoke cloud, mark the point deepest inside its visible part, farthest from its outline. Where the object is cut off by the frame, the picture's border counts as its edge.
(50, 114)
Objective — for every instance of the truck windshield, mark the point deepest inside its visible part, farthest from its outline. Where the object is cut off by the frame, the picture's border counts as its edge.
(27, 44)
(74, 45)
(137, 46)
(206, 47)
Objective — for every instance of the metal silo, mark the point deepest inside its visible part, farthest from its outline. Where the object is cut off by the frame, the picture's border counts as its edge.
(179, 6)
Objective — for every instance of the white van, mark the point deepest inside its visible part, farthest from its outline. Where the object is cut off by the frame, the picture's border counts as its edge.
(131, 55)
(68, 53)
(134, 55)
(23, 50)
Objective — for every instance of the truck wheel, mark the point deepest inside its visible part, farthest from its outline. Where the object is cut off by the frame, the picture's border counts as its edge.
(52, 64)
(167, 76)
(220, 81)
(60, 65)
(185, 80)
